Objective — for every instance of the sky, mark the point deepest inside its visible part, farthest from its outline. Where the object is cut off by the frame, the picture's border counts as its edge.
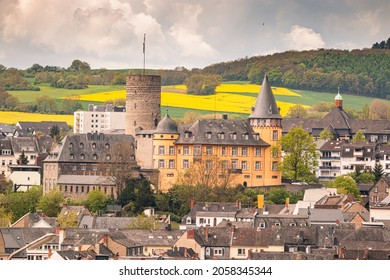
(191, 33)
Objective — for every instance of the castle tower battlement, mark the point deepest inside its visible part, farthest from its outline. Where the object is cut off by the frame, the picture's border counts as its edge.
(143, 98)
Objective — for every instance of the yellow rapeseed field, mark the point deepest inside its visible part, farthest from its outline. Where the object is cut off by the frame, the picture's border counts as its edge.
(220, 102)
(253, 89)
(225, 100)
(14, 117)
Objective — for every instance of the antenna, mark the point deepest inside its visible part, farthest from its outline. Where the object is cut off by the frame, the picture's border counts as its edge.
(143, 48)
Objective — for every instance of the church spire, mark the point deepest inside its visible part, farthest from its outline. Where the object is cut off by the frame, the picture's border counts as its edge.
(338, 100)
(265, 106)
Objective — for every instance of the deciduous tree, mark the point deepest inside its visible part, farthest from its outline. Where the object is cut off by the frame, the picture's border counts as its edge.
(301, 157)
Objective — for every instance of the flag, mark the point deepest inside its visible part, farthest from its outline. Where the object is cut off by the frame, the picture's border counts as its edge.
(144, 44)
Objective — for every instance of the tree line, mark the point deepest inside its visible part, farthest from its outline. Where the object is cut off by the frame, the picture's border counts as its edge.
(359, 72)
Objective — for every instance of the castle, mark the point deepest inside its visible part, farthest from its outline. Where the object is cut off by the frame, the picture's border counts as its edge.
(224, 151)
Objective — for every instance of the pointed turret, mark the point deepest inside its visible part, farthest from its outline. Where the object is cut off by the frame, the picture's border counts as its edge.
(265, 106)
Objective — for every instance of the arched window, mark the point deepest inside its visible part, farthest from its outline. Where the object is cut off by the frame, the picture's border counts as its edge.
(82, 156)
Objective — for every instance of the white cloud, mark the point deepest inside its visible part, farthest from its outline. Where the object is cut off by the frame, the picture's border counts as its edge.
(185, 34)
(302, 38)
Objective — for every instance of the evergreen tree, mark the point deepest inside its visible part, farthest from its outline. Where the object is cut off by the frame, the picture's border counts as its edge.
(22, 160)
(378, 171)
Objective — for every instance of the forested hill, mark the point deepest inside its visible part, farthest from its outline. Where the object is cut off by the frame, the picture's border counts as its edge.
(359, 72)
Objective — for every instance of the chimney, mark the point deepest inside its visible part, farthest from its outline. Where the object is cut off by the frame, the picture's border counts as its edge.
(206, 233)
(225, 116)
(192, 204)
(190, 234)
(287, 201)
(105, 240)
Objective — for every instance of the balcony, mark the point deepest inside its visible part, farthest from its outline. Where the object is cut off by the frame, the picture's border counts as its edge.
(330, 167)
(326, 178)
(329, 157)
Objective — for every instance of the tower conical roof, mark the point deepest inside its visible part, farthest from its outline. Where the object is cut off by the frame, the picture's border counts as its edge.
(166, 125)
(265, 106)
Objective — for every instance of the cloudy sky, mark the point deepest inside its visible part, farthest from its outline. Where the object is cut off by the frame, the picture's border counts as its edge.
(190, 33)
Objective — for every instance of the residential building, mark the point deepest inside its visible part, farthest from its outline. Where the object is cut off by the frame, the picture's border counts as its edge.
(85, 162)
(40, 128)
(99, 119)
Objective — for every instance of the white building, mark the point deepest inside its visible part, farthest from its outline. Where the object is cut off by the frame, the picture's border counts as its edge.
(99, 119)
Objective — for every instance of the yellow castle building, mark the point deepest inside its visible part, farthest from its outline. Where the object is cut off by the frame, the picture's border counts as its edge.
(217, 151)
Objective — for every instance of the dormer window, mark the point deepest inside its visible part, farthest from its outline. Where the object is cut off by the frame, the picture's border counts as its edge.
(94, 156)
(93, 145)
(107, 146)
(71, 156)
(82, 156)
(208, 135)
(108, 157)
(233, 136)
(256, 136)
(187, 134)
(81, 145)
(222, 136)
(70, 145)
(245, 136)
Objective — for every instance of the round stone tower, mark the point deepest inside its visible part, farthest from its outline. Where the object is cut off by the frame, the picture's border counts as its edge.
(143, 97)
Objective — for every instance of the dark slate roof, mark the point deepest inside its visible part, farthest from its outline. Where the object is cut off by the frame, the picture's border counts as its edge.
(332, 145)
(250, 237)
(323, 215)
(6, 128)
(364, 187)
(28, 128)
(167, 125)
(5, 144)
(73, 255)
(214, 207)
(153, 237)
(217, 237)
(86, 180)
(368, 149)
(265, 106)
(79, 237)
(338, 119)
(26, 144)
(221, 127)
(78, 144)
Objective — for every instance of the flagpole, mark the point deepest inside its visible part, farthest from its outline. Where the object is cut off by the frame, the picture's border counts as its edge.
(144, 52)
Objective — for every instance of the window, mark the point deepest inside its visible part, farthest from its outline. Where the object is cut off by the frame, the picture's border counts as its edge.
(274, 135)
(245, 136)
(233, 136)
(374, 138)
(244, 165)
(197, 150)
(3, 162)
(376, 189)
(171, 163)
(186, 150)
(161, 150)
(107, 146)
(187, 134)
(234, 151)
(171, 150)
(161, 163)
(258, 165)
(108, 157)
(218, 252)
(81, 145)
(186, 164)
(258, 152)
(223, 151)
(274, 166)
(384, 139)
(224, 164)
(83, 167)
(241, 251)
(93, 145)
(70, 145)
(82, 156)
(209, 150)
(244, 151)
(94, 156)
(208, 135)
(209, 164)
(234, 164)
(222, 136)
(71, 156)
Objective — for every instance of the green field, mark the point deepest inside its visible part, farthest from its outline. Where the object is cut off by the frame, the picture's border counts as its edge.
(307, 98)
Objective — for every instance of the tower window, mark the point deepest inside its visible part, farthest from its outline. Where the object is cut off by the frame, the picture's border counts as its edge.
(274, 135)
